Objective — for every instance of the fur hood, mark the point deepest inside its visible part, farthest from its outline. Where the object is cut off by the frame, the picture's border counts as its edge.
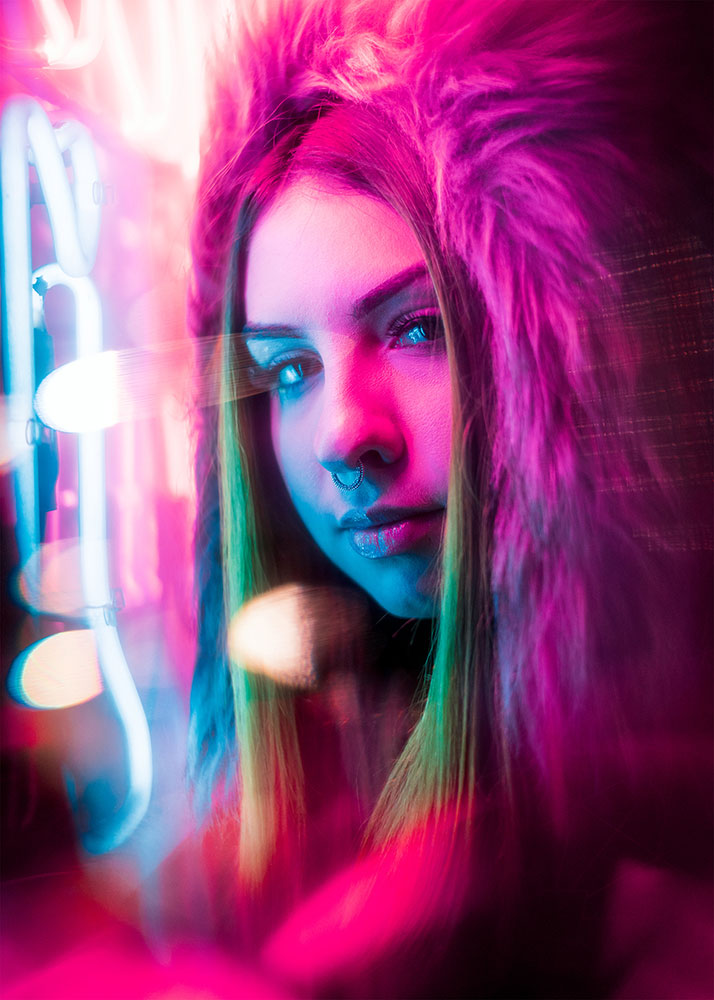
(547, 130)
(530, 116)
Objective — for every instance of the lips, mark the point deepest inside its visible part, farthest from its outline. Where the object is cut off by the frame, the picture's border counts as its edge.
(392, 531)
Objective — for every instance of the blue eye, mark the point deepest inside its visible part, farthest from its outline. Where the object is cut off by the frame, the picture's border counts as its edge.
(415, 329)
(290, 376)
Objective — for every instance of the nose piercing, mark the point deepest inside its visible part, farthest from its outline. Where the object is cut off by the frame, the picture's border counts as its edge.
(348, 487)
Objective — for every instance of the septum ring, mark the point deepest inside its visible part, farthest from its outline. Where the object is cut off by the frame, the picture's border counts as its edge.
(348, 487)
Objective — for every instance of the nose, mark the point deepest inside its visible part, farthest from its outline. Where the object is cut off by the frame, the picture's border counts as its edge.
(358, 421)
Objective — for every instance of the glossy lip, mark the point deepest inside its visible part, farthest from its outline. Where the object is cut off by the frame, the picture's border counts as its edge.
(390, 531)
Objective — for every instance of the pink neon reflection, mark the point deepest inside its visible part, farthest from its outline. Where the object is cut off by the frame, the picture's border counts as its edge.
(366, 914)
(118, 966)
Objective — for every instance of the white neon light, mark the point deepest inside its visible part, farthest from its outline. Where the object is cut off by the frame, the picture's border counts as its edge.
(58, 28)
(82, 395)
(192, 44)
(159, 97)
(95, 580)
(62, 48)
(7, 455)
(75, 213)
(26, 135)
(19, 363)
(146, 101)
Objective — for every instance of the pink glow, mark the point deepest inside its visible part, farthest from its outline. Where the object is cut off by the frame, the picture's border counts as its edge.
(118, 966)
(371, 909)
(142, 63)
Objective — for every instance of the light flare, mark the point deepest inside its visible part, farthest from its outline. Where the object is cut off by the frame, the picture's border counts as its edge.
(50, 582)
(295, 633)
(57, 672)
(62, 48)
(82, 395)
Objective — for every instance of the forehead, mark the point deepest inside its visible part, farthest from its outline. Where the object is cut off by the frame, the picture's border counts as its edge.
(318, 249)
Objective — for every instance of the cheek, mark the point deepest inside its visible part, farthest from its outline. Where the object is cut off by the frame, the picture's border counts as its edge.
(427, 410)
(441, 456)
(281, 447)
(439, 451)
(292, 446)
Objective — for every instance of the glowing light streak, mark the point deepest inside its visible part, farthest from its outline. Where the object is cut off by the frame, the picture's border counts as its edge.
(58, 27)
(194, 96)
(74, 212)
(95, 581)
(18, 356)
(8, 452)
(158, 88)
(26, 135)
(146, 103)
(82, 395)
(135, 730)
(62, 48)
(57, 672)
(141, 382)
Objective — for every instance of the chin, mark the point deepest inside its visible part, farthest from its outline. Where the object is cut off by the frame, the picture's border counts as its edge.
(406, 602)
(404, 588)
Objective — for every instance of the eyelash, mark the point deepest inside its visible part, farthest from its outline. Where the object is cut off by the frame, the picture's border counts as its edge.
(268, 376)
(431, 323)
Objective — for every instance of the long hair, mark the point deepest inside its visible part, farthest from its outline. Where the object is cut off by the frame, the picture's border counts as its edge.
(506, 136)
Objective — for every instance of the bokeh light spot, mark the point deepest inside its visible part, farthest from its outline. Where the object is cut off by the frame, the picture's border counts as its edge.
(50, 582)
(294, 633)
(58, 671)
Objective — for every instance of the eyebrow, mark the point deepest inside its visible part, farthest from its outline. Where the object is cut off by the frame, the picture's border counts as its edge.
(271, 330)
(389, 288)
(363, 306)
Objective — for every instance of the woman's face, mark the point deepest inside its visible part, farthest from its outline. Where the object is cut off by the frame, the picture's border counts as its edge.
(343, 318)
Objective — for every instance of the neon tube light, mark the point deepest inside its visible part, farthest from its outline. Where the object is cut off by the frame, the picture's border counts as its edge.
(26, 135)
(118, 681)
(61, 48)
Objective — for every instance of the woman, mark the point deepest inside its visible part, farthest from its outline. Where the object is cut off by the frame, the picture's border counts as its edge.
(415, 230)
